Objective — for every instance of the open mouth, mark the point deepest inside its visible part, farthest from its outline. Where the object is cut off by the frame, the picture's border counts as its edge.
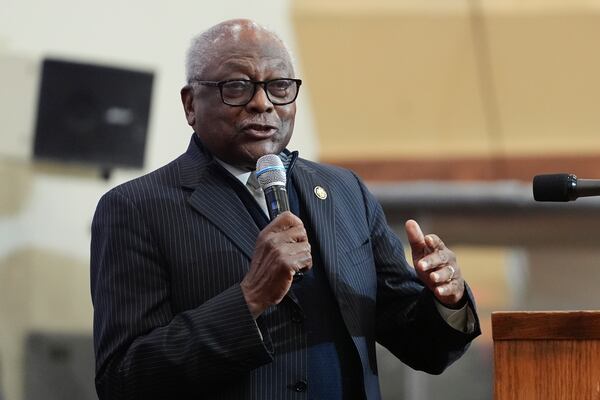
(259, 130)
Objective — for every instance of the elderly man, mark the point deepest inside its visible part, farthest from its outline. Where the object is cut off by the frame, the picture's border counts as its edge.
(197, 295)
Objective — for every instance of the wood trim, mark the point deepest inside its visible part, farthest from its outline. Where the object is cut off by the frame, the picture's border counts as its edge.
(546, 369)
(521, 168)
(556, 325)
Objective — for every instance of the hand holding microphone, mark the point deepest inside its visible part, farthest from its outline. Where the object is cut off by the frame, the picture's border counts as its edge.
(282, 248)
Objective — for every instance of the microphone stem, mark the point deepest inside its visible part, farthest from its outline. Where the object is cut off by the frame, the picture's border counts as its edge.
(587, 187)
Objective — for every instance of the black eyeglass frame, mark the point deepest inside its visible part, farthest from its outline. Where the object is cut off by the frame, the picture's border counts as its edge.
(264, 84)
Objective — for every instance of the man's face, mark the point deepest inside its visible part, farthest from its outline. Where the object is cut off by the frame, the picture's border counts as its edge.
(241, 135)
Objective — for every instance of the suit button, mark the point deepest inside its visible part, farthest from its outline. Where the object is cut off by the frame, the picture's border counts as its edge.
(297, 317)
(300, 386)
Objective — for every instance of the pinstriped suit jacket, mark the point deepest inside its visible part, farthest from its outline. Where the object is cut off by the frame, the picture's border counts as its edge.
(170, 322)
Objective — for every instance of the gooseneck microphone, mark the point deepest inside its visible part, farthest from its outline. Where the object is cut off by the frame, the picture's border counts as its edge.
(563, 187)
(270, 174)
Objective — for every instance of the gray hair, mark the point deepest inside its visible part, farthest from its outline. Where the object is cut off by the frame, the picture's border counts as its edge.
(203, 47)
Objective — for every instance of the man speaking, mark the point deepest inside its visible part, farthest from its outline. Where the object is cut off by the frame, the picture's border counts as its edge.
(198, 295)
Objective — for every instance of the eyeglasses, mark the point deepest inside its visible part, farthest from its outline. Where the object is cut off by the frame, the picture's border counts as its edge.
(239, 92)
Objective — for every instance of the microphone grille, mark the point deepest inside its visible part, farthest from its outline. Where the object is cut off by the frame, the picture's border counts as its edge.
(270, 170)
(553, 187)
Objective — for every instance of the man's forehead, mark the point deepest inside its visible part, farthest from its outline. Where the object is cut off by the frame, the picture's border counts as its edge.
(251, 67)
(240, 61)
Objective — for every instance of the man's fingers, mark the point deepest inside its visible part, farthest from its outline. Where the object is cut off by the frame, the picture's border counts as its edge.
(284, 221)
(305, 262)
(297, 234)
(436, 259)
(434, 242)
(444, 274)
(294, 250)
(294, 256)
(452, 290)
(286, 228)
(415, 235)
(435, 264)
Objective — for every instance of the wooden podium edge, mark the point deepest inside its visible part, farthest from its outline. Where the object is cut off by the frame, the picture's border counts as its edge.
(542, 325)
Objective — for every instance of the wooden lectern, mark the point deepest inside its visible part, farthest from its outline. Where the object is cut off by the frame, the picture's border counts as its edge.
(547, 355)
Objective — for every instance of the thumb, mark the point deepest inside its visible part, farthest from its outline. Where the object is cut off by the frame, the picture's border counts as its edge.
(415, 238)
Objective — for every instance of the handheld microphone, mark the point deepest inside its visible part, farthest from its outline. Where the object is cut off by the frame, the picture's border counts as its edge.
(563, 187)
(270, 174)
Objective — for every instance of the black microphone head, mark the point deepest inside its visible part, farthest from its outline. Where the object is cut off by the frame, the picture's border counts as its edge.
(554, 187)
(270, 171)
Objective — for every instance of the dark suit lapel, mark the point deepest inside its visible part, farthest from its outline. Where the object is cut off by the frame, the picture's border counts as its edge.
(322, 216)
(214, 198)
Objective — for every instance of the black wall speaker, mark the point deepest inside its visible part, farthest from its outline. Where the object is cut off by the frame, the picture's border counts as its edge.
(90, 114)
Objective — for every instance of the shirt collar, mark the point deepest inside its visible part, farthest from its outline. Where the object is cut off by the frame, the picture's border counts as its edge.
(240, 174)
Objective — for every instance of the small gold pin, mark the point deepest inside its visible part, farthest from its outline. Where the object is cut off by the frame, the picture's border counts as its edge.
(320, 192)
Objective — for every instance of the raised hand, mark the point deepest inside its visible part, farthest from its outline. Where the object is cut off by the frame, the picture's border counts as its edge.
(435, 265)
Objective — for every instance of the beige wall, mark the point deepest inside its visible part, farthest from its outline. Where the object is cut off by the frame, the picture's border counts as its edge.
(409, 79)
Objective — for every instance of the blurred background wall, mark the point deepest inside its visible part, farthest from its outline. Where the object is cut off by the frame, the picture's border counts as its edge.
(46, 208)
(446, 109)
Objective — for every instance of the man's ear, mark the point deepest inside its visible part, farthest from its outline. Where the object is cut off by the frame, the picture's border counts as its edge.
(187, 99)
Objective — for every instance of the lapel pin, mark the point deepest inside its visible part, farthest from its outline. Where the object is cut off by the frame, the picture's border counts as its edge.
(320, 192)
